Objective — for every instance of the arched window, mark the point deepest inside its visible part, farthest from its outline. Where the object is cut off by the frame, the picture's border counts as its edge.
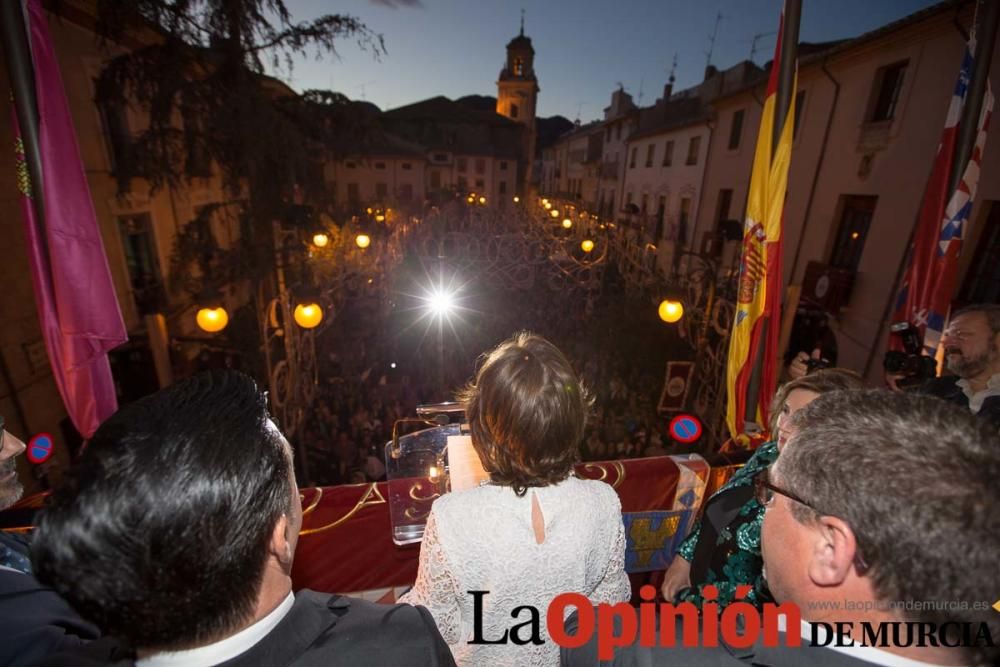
(513, 111)
(518, 67)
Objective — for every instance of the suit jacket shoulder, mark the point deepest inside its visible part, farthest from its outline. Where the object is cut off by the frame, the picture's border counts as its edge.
(320, 630)
(35, 621)
(332, 630)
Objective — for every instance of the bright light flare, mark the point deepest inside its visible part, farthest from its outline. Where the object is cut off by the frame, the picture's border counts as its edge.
(441, 303)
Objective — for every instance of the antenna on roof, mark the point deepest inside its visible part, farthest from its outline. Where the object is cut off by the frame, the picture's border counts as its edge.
(362, 87)
(673, 70)
(639, 99)
(756, 38)
(579, 108)
(711, 40)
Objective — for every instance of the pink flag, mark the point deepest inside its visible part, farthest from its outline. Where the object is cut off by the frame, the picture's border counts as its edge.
(77, 306)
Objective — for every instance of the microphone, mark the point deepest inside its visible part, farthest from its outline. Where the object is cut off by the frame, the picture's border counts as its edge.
(436, 420)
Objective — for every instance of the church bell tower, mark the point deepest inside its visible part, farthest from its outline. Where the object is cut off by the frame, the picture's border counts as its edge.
(517, 94)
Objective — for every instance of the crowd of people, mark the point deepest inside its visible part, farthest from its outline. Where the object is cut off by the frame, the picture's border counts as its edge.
(369, 379)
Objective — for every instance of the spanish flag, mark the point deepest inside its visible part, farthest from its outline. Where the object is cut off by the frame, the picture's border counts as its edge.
(758, 308)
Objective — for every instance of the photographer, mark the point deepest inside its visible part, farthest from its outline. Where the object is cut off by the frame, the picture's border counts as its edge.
(972, 352)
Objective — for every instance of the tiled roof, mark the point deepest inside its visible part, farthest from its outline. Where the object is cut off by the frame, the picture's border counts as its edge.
(671, 115)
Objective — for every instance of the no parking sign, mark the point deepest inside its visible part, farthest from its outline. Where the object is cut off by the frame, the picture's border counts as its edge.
(685, 428)
(40, 448)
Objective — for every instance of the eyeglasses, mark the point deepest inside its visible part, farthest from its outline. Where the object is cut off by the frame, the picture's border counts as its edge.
(764, 491)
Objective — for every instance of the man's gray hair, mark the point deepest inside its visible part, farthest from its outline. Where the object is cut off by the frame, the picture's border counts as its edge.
(918, 481)
(990, 310)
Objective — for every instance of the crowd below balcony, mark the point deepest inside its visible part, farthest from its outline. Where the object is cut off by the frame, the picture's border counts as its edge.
(369, 378)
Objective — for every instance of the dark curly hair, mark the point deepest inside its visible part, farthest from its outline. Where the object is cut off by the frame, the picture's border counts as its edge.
(527, 411)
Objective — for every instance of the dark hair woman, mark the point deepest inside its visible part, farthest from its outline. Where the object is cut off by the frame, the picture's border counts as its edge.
(534, 531)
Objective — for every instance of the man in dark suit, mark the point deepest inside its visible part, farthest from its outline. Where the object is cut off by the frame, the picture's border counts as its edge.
(972, 352)
(176, 537)
(881, 509)
(34, 621)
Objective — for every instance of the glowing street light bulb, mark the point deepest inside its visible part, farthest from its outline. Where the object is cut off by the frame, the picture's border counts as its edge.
(554, 213)
(516, 199)
(547, 205)
(308, 315)
(670, 311)
(212, 320)
(320, 240)
(482, 200)
(567, 223)
(587, 245)
(363, 241)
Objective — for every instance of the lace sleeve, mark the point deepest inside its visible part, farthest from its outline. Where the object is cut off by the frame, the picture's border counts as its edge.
(436, 587)
(615, 586)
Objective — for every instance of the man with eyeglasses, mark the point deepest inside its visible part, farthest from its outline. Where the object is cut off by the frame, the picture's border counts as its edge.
(34, 621)
(972, 352)
(880, 513)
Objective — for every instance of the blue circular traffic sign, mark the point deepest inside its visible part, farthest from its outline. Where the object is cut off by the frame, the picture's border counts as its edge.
(40, 448)
(685, 428)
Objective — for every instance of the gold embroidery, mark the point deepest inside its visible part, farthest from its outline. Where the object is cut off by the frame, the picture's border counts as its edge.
(419, 486)
(648, 541)
(371, 497)
(617, 465)
(21, 168)
(313, 504)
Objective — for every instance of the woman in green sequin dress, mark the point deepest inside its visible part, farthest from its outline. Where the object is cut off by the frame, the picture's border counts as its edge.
(723, 549)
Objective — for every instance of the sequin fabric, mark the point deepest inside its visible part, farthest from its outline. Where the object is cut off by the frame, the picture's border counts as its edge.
(736, 559)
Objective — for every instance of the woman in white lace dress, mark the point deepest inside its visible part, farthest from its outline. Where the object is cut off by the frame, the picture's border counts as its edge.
(536, 530)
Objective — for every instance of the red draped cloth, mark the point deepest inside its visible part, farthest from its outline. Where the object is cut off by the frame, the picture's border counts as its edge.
(346, 541)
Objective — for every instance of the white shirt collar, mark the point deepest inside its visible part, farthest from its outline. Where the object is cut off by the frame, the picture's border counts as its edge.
(976, 398)
(876, 656)
(225, 649)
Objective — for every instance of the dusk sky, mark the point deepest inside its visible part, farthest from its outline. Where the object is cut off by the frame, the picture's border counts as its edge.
(583, 48)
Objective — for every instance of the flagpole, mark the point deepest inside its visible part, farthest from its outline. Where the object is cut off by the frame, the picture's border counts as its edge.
(783, 100)
(22, 82)
(786, 72)
(968, 127)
